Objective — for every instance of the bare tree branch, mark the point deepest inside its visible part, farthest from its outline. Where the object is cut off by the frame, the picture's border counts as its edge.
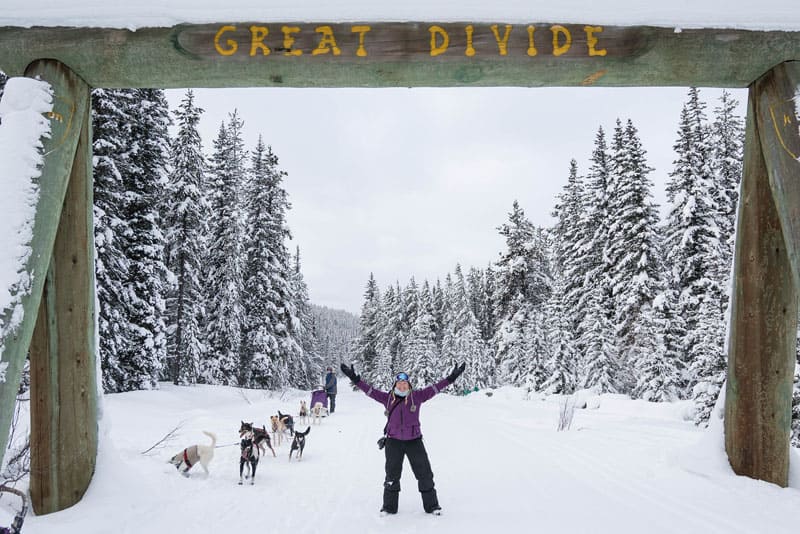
(18, 457)
(169, 436)
(566, 413)
(243, 394)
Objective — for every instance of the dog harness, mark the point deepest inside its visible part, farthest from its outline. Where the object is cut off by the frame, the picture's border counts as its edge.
(186, 458)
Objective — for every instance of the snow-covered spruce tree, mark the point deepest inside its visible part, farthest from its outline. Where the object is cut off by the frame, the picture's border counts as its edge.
(632, 252)
(392, 337)
(537, 345)
(512, 342)
(438, 310)
(658, 377)
(272, 327)
(290, 353)
(694, 249)
(488, 321)
(594, 292)
(366, 347)
(448, 350)
(560, 366)
(409, 317)
(421, 352)
(224, 309)
(522, 280)
(570, 233)
(144, 354)
(469, 344)
(308, 369)
(599, 369)
(708, 364)
(110, 145)
(476, 295)
(259, 341)
(185, 212)
(727, 138)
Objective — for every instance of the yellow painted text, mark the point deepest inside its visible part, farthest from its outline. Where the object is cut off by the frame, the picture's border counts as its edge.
(559, 49)
(257, 36)
(233, 46)
(361, 31)
(288, 41)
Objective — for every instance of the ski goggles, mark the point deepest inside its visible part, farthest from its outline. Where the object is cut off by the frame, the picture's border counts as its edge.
(401, 376)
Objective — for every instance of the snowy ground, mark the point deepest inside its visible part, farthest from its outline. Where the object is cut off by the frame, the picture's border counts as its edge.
(626, 466)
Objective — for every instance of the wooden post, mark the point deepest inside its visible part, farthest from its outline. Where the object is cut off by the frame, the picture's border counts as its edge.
(63, 366)
(63, 371)
(761, 352)
(70, 111)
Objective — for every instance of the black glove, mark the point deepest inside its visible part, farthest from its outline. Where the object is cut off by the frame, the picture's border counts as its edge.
(350, 372)
(456, 372)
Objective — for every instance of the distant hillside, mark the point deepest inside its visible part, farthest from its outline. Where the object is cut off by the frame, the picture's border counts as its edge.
(335, 332)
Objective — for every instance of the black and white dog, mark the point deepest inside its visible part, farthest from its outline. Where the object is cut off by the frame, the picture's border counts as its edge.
(251, 449)
(260, 436)
(196, 454)
(299, 444)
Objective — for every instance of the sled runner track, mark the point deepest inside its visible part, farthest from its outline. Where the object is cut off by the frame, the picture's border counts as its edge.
(325, 518)
(711, 521)
(581, 466)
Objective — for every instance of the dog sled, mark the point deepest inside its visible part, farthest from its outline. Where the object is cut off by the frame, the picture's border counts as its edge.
(16, 524)
(321, 397)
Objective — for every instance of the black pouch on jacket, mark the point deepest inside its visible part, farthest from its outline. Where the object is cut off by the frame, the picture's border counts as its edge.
(382, 443)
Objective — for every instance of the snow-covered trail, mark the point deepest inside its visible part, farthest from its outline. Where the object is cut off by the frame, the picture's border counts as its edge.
(498, 462)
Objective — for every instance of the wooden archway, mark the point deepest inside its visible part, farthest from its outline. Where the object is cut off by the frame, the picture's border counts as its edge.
(59, 328)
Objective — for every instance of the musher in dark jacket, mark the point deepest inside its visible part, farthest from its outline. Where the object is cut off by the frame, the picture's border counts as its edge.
(404, 435)
(330, 389)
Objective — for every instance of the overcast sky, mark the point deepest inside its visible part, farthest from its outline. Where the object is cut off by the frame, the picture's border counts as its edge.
(409, 182)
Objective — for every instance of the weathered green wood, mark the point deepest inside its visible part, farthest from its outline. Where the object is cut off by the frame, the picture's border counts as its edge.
(70, 109)
(63, 370)
(763, 321)
(779, 130)
(400, 54)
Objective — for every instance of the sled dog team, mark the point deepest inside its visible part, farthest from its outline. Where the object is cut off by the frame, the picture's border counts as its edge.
(254, 442)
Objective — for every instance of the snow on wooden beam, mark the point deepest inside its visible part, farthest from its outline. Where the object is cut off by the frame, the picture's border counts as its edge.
(761, 354)
(306, 54)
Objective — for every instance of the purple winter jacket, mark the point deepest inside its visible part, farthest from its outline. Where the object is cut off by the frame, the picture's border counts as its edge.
(404, 422)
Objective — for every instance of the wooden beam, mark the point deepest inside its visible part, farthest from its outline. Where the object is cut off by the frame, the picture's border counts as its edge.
(406, 54)
(63, 366)
(70, 111)
(764, 309)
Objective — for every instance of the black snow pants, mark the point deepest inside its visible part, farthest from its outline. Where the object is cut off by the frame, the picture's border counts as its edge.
(331, 402)
(396, 450)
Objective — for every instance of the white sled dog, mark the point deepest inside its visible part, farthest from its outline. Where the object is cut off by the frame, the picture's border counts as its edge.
(316, 412)
(196, 454)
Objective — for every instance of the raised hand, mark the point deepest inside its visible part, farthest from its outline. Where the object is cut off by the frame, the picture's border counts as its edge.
(350, 372)
(456, 372)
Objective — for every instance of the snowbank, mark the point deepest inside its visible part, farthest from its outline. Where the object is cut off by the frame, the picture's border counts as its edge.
(622, 465)
(22, 126)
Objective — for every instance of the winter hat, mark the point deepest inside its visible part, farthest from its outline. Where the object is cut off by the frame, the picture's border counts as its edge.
(402, 377)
